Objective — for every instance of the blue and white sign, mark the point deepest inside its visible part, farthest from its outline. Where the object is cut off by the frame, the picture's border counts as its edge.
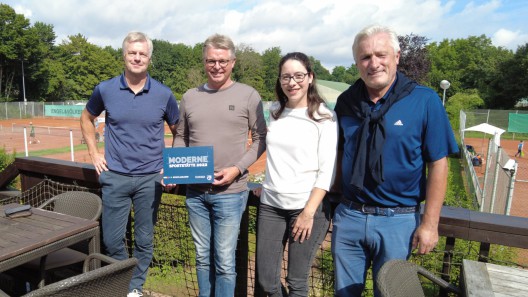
(188, 165)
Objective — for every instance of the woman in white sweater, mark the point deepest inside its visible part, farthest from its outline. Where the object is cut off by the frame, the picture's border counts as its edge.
(301, 155)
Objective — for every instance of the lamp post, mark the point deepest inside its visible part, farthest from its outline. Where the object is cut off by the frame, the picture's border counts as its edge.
(444, 84)
(23, 84)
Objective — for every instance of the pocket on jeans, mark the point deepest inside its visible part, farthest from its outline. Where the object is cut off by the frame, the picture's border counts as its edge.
(101, 177)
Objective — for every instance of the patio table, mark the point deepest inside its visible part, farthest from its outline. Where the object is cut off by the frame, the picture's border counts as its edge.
(26, 238)
(486, 279)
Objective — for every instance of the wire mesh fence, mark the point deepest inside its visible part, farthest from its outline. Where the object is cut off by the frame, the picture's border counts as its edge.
(29, 109)
(497, 118)
(495, 184)
(172, 272)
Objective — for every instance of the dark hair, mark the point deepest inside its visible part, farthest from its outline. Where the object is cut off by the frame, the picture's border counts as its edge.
(314, 99)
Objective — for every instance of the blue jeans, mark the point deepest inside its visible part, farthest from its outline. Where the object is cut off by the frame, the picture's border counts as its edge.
(360, 240)
(119, 193)
(215, 224)
(274, 230)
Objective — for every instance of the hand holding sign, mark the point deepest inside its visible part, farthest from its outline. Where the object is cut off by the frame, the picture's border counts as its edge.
(226, 176)
(188, 165)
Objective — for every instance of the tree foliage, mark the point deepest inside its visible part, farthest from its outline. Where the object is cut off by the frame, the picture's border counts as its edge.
(510, 84)
(84, 65)
(414, 61)
(14, 44)
(70, 70)
(471, 63)
(249, 68)
(270, 60)
(465, 100)
(346, 75)
(320, 71)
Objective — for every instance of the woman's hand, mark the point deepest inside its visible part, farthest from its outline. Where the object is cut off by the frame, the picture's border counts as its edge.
(257, 191)
(302, 227)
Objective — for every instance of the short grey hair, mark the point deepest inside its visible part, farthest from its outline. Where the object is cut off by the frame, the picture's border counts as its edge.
(135, 36)
(219, 41)
(371, 30)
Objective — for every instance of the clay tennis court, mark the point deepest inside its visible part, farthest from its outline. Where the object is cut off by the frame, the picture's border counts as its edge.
(519, 205)
(55, 133)
(12, 138)
(15, 141)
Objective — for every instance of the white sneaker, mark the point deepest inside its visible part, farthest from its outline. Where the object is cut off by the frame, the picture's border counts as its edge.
(135, 293)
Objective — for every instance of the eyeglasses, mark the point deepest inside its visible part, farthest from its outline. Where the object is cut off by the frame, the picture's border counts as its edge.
(212, 63)
(298, 77)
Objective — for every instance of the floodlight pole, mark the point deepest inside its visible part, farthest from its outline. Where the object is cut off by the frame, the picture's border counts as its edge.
(444, 84)
(23, 83)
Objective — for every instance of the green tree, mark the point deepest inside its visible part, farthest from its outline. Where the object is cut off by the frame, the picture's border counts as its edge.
(177, 65)
(270, 60)
(164, 60)
(346, 75)
(320, 71)
(13, 49)
(470, 63)
(84, 66)
(5, 160)
(38, 74)
(464, 100)
(339, 73)
(249, 68)
(509, 86)
(354, 74)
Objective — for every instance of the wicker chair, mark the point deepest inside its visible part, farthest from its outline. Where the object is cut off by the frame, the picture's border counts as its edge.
(110, 280)
(399, 278)
(75, 203)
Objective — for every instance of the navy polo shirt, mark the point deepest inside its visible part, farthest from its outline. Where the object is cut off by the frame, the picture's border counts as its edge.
(417, 132)
(135, 123)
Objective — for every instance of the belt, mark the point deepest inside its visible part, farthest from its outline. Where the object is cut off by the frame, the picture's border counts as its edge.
(382, 211)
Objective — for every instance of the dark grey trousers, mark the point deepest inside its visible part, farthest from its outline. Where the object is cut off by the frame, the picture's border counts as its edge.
(273, 233)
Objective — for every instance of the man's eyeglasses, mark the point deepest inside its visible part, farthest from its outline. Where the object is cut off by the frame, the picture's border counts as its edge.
(298, 77)
(212, 63)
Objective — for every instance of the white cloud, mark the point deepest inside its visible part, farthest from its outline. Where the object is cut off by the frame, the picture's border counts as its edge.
(323, 29)
(509, 39)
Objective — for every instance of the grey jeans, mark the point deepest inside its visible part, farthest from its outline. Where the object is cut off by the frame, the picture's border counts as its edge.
(274, 231)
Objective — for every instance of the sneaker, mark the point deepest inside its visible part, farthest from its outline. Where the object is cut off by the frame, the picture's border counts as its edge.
(135, 293)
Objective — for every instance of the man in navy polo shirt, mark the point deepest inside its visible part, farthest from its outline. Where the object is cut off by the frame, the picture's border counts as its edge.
(392, 131)
(136, 109)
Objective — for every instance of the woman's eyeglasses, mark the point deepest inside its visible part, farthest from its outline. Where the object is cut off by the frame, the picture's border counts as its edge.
(298, 77)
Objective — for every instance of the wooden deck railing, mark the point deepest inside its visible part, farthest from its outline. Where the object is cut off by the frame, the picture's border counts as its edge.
(455, 223)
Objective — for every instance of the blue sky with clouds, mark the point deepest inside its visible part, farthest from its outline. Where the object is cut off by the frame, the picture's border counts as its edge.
(323, 29)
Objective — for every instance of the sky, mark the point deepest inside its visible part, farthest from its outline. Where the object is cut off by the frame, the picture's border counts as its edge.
(324, 29)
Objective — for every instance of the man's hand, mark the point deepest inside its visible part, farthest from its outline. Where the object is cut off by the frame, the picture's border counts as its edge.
(99, 162)
(225, 176)
(168, 188)
(425, 238)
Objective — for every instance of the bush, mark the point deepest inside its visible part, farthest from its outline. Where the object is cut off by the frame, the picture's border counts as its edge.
(6, 159)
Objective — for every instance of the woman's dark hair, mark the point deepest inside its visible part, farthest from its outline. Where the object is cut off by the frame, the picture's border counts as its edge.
(314, 99)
